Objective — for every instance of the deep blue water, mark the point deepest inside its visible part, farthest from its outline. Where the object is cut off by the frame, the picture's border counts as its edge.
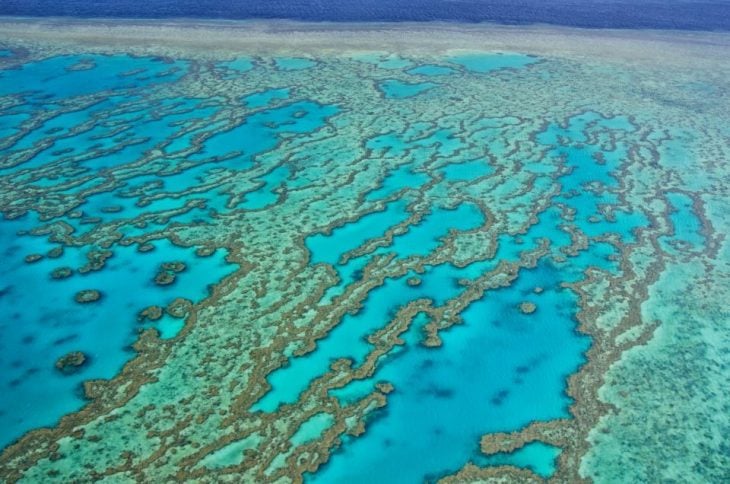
(658, 14)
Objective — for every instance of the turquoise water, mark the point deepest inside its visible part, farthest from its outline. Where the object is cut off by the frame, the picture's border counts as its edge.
(103, 134)
(687, 226)
(331, 247)
(394, 89)
(381, 303)
(294, 63)
(466, 171)
(67, 76)
(426, 236)
(485, 378)
(431, 70)
(42, 326)
(312, 428)
(402, 178)
(436, 404)
(536, 456)
(264, 98)
(319, 199)
(485, 63)
(236, 66)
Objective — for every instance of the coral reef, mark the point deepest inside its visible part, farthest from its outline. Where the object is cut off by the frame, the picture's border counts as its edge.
(71, 362)
(381, 250)
(87, 296)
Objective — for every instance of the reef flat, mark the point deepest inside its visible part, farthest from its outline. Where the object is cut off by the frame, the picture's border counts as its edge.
(280, 252)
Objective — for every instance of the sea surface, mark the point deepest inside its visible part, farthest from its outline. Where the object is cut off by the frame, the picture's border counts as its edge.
(624, 14)
(389, 264)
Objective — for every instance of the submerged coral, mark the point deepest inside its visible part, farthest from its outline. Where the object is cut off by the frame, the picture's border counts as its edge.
(330, 265)
(87, 296)
(71, 362)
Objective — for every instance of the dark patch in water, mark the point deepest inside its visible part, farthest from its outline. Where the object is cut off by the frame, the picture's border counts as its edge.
(65, 339)
(438, 392)
(428, 363)
(499, 397)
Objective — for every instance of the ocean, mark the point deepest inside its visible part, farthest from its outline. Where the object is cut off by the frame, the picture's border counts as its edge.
(624, 14)
(364, 242)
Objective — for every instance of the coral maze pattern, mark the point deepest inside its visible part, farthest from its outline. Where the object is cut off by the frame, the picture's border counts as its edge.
(363, 266)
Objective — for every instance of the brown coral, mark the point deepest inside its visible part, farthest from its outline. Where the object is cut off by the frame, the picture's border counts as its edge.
(71, 362)
(87, 296)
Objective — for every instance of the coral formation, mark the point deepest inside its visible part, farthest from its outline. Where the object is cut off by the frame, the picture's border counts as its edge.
(87, 296)
(71, 362)
(381, 251)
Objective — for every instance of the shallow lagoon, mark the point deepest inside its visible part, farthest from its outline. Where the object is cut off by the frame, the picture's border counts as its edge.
(375, 277)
